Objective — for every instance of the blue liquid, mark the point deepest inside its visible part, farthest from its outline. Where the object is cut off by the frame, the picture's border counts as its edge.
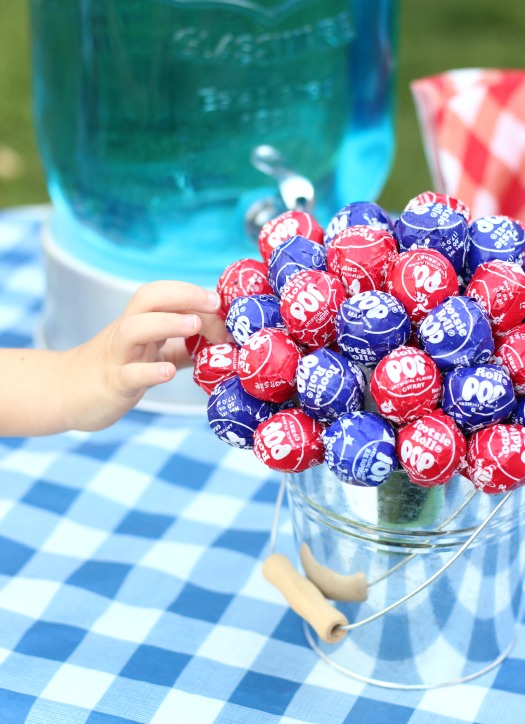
(147, 113)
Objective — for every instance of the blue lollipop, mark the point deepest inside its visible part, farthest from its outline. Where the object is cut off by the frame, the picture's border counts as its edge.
(478, 396)
(293, 255)
(248, 315)
(457, 333)
(358, 213)
(494, 237)
(434, 226)
(370, 325)
(234, 415)
(329, 385)
(360, 448)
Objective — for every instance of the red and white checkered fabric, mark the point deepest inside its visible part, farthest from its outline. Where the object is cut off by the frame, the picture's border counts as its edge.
(473, 126)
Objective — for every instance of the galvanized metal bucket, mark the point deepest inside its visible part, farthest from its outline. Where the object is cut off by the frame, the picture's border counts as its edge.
(444, 570)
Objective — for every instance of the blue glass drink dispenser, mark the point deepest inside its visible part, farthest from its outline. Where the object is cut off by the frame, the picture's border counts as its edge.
(148, 114)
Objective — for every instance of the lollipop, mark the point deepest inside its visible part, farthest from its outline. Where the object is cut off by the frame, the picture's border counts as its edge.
(295, 254)
(358, 213)
(499, 286)
(309, 303)
(431, 197)
(421, 279)
(194, 344)
(215, 363)
(290, 223)
(242, 278)
(234, 415)
(360, 449)
(405, 384)
(268, 365)
(370, 325)
(478, 396)
(494, 237)
(434, 226)
(510, 353)
(360, 256)
(250, 314)
(431, 449)
(496, 458)
(457, 332)
(290, 441)
(329, 385)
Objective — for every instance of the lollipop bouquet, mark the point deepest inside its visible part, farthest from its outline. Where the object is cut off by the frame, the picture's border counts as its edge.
(376, 344)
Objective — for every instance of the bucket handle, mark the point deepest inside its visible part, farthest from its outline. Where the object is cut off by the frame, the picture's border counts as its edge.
(309, 601)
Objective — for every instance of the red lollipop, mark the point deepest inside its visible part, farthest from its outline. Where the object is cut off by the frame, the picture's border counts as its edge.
(499, 286)
(359, 256)
(405, 384)
(215, 363)
(431, 197)
(309, 302)
(243, 278)
(290, 441)
(496, 458)
(195, 344)
(510, 353)
(290, 223)
(421, 279)
(431, 449)
(268, 365)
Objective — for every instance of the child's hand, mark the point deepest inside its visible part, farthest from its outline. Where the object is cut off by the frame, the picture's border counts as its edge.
(109, 374)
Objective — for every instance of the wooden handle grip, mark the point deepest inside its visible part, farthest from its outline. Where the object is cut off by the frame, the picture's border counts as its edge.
(305, 598)
(335, 586)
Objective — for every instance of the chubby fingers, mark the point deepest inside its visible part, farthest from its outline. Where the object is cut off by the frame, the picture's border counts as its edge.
(138, 376)
(140, 329)
(172, 296)
(213, 329)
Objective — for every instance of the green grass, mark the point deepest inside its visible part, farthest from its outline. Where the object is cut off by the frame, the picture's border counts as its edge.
(435, 35)
(16, 125)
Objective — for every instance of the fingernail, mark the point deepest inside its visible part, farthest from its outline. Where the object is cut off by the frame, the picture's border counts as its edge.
(214, 300)
(164, 371)
(190, 322)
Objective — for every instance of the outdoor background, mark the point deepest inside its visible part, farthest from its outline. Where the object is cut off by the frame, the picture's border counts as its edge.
(435, 35)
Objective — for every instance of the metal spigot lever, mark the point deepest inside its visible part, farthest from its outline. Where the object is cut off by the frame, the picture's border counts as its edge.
(295, 191)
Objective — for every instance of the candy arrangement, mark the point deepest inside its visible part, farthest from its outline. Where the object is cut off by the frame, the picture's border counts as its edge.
(375, 344)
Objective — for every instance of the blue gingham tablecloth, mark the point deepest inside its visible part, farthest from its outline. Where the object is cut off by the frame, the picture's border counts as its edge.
(130, 576)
